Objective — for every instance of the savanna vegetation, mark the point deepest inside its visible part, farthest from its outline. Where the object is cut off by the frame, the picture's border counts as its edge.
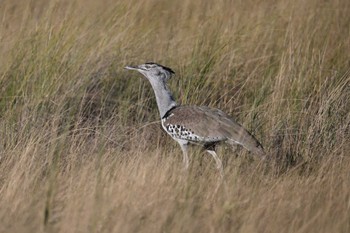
(81, 146)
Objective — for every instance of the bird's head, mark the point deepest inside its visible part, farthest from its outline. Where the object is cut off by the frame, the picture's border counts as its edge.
(153, 71)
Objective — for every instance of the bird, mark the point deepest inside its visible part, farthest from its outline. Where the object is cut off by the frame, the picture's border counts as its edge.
(190, 124)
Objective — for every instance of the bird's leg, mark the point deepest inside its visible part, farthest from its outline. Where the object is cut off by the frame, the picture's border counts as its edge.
(217, 161)
(184, 148)
(210, 148)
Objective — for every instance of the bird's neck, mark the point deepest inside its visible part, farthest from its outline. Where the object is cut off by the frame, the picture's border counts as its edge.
(164, 97)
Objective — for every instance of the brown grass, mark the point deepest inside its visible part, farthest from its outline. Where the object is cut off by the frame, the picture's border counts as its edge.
(81, 148)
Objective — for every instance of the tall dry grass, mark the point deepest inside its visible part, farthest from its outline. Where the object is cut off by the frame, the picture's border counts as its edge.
(81, 149)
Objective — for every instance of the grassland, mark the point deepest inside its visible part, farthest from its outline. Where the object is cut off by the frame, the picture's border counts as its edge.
(81, 148)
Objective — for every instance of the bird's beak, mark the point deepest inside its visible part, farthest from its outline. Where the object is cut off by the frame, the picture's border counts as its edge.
(132, 68)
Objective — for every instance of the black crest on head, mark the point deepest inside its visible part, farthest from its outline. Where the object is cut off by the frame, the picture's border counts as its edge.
(164, 67)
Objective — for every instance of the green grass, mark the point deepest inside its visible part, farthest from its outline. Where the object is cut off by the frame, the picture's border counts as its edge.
(81, 146)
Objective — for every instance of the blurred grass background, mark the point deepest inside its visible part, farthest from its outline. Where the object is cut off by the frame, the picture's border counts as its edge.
(81, 146)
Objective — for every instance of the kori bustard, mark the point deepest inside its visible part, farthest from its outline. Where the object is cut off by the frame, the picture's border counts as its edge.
(194, 124)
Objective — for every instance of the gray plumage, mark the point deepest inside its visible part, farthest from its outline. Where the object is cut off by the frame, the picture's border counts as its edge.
(194, 124)
(206, 125)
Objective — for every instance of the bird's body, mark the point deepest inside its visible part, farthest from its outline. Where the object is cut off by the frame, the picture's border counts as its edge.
(194, 124)
(207, 126)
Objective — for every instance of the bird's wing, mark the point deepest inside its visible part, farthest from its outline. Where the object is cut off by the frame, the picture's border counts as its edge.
(213, 125)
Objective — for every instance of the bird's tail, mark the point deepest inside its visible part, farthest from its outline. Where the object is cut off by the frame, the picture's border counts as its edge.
(248, 141)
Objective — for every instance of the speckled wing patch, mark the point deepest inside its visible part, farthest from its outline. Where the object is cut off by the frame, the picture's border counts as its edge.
(181, 132)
